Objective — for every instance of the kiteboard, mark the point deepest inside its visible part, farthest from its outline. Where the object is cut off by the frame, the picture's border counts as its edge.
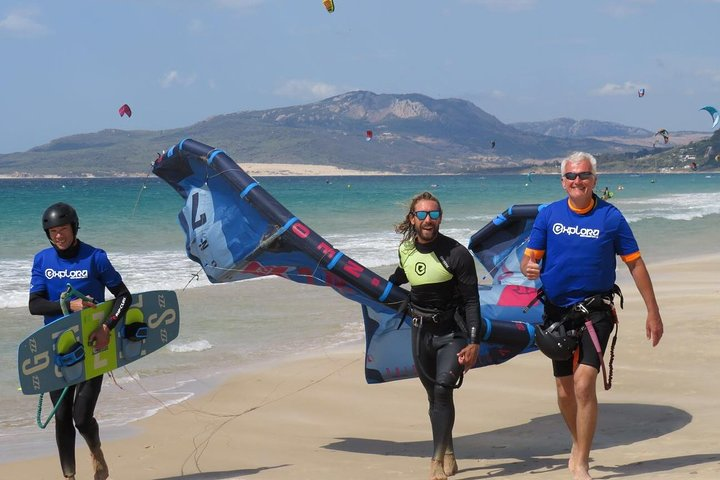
(59, 355)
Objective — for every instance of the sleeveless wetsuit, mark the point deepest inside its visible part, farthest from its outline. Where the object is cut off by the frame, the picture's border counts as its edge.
(443, 279)
(89, 271)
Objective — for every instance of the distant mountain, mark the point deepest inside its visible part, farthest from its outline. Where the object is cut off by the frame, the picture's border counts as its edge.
(701, 155)
(412, 133)
(569, 128)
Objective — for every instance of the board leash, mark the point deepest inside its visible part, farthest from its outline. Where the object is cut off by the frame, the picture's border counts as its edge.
(38, 418)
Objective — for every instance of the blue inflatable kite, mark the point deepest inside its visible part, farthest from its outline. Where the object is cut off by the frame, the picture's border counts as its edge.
(236, 230)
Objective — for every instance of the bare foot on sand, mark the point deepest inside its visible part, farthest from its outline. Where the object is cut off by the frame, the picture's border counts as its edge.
(581, 473)
(436, 470)
(99, 465)
(450, 466)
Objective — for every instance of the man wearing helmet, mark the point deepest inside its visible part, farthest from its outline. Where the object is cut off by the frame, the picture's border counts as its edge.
(89, 271)
(572, 249)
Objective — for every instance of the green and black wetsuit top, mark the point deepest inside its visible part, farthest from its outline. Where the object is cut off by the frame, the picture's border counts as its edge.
(442, 276)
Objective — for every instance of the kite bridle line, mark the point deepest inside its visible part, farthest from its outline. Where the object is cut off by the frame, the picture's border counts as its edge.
(142, 188)
(493, 270)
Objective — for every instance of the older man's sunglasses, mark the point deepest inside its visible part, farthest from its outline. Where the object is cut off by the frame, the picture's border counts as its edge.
(582, 175)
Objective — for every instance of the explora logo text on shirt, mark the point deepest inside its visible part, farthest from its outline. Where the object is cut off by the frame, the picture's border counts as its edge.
(559, 229)
(72, 274)
(420, 268)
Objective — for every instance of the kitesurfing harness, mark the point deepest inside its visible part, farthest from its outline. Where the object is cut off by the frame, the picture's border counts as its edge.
(579, 318)
(432, 320)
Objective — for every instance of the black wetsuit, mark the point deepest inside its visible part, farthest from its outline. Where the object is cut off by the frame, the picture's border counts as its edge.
(443, 280)
(77, 409)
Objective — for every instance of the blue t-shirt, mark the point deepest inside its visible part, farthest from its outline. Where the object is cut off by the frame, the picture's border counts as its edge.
(88, 272)
(580, 249)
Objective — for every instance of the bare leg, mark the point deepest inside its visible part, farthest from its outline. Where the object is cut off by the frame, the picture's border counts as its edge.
(568, 409)
(586, 420)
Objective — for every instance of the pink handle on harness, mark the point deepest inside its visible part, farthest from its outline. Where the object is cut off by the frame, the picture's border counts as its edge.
(593, 335)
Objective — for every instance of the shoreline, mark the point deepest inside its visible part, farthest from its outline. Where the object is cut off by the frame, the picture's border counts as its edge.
(312, 415)
(253, 169)
(305, 170)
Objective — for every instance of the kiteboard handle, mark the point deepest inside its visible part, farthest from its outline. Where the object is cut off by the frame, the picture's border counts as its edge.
(68, 294)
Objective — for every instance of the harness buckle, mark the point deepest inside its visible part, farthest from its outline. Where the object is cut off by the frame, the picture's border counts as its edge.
(580, 307)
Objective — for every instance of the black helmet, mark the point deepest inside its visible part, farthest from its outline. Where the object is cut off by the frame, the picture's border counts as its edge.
(555, 342)
(60, 214)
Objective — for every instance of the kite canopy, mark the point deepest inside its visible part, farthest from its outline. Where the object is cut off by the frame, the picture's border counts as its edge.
(125, 110)
(236, 230)
(714, 114)
(664, 134)
(641, 92)
(329, 5)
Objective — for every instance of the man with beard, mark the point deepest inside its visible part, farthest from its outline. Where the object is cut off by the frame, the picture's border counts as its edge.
(445, 310)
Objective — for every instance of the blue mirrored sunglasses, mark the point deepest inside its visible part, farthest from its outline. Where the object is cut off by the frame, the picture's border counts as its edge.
(582, 175)
(422, 214)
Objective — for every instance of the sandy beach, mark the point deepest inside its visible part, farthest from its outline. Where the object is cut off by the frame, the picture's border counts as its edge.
(257, 170)
(314, 417)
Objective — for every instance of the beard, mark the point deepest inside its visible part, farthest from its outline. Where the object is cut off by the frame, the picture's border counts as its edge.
(427, 235)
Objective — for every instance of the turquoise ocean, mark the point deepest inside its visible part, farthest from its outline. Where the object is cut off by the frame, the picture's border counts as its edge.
(135, 221)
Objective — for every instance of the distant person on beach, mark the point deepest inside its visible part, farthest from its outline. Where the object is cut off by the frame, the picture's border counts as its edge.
(606, 194)
(445, 311)
(89, 271)
(572, 249)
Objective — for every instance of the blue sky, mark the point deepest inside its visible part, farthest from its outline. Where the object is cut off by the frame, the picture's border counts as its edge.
(67, 66)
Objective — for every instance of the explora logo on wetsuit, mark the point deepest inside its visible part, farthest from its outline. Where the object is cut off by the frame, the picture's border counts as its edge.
(420, 268)
(72, 274)
(559, 229)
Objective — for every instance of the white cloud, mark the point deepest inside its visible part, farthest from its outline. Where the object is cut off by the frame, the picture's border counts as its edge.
(22, 23)
(610, 89)
(307, 89)
(505, 5)
(173, 77)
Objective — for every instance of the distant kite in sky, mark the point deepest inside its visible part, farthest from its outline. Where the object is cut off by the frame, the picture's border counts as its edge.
(492, 144)
(714, 114)
(329, 5)
(665, 134)
(125, 110)
(641, 92)
(368, 135)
